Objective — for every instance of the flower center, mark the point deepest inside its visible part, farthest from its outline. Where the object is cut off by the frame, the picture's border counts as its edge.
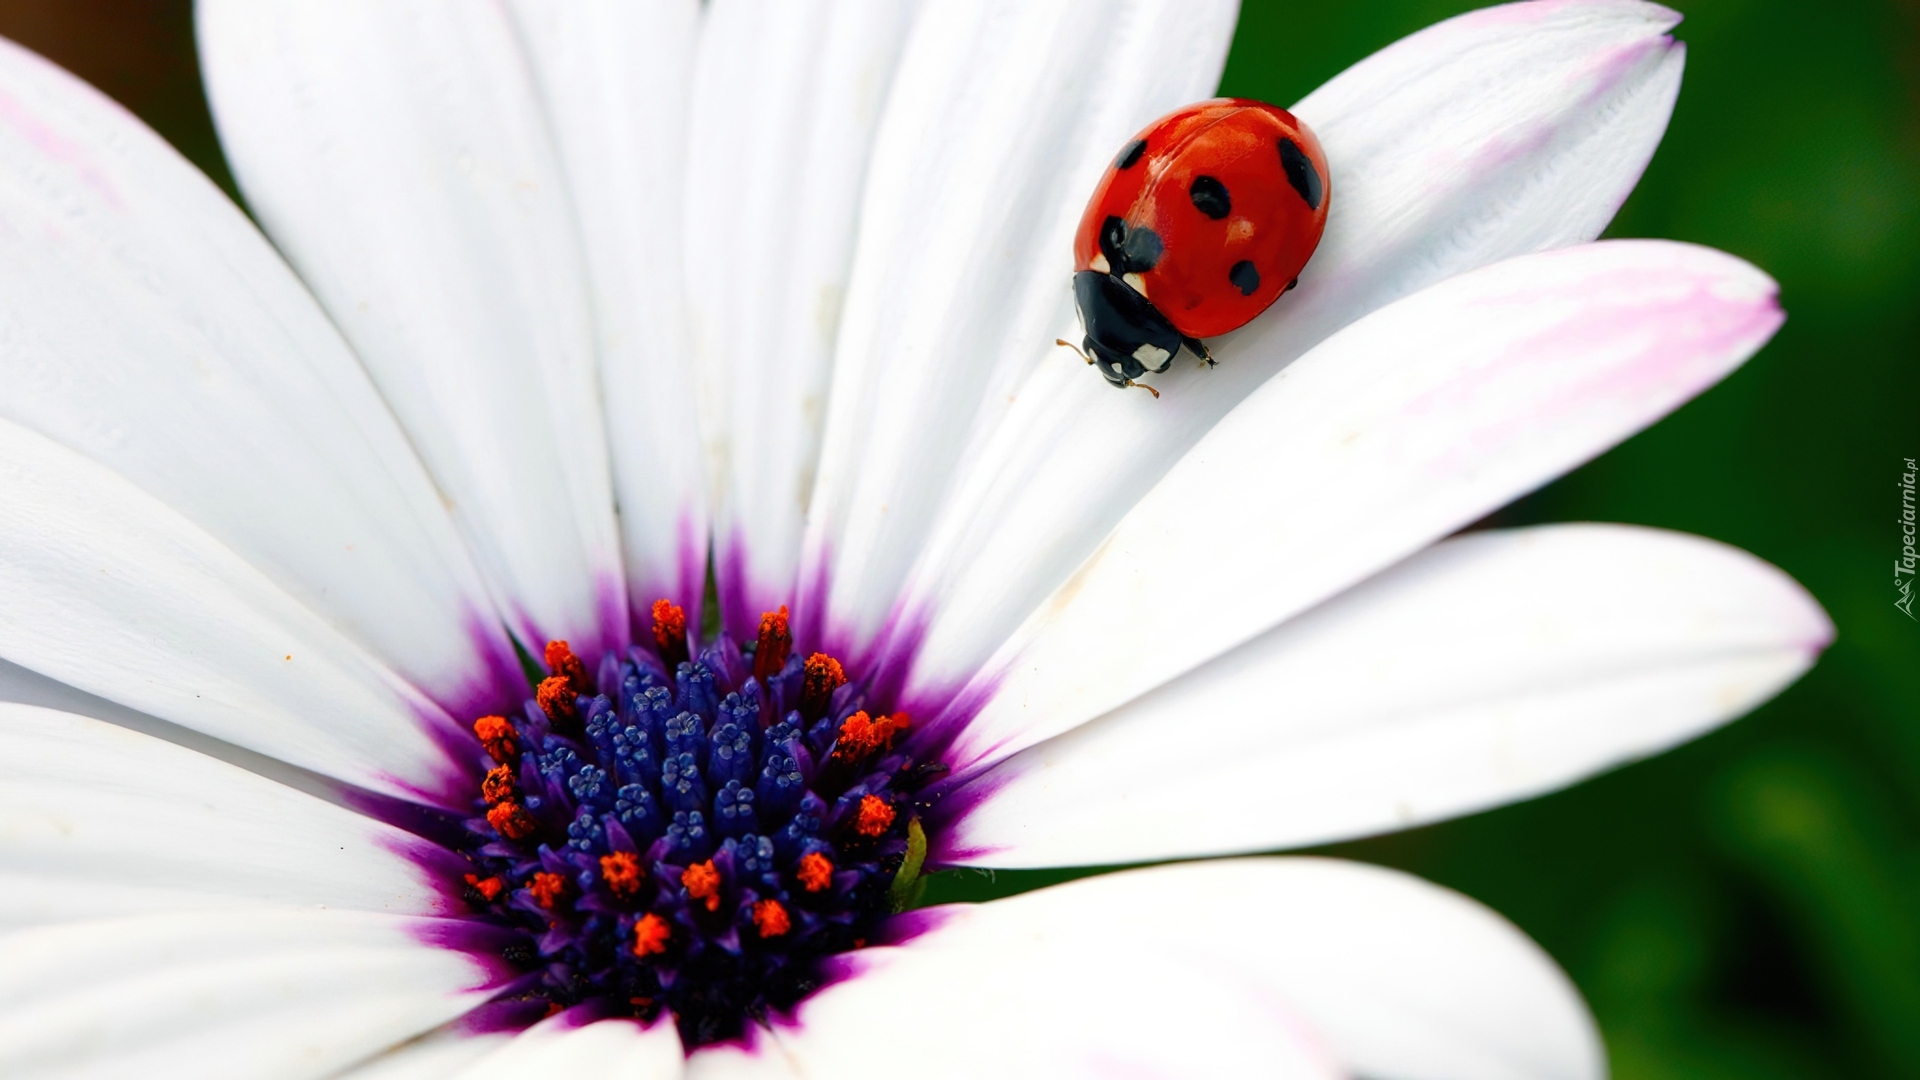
(693, 834)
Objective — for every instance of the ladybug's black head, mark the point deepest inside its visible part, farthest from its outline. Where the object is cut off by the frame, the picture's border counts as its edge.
(1126, 335)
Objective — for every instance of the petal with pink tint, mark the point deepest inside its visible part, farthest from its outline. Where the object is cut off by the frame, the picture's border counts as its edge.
(1407, 425)
(398, 154)
(1489, 668)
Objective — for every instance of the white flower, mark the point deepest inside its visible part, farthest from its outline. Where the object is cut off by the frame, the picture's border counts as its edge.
(290, 521)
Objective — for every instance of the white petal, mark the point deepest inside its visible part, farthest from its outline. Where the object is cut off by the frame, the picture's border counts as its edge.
(786, 98)
(1401, 979)
(437, 1055)
(1403, 427)
(100, 821)
(562, 1048)
(614, 77)
(149, 326)
(1011, 990)
(108, 591)
(24, 686)
(1501, 132)
(763, 1060)
(1002, 120)
(226, 993)
(397, 153)
(1488, 668)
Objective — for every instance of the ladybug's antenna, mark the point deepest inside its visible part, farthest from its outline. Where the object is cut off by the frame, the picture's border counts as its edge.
(1075, 348)
(1089, 359)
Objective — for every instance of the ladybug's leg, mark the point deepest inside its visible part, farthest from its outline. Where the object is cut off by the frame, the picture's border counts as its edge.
(1199, 349)
(1144, 386)
(1075, 348)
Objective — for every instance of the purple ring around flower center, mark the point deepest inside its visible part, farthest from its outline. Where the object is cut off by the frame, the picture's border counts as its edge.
(692, 835)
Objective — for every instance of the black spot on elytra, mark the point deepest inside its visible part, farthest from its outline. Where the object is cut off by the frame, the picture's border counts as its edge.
(1210, 197)
(1130, 156)
(1244, 277)
(1129, 249)
(1300, 172)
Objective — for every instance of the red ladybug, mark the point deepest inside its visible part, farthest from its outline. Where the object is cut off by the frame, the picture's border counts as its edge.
(1204, 219)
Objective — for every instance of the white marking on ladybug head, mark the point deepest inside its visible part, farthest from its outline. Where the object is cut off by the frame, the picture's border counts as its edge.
(1139, 283)
(1152, 356)
(1100, 265)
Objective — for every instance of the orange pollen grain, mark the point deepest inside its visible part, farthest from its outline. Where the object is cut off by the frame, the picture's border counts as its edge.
(875, 816)
(816, 872)
(556, 698)
(547, 889)
(861, 735)
(511, 820)
(823, 675)
(496, 734)
(858, 737)
(488, 888)
(622, 873)
(498, 787)
(562, 662)
(669, 625)
(703, 883)
(775, 644)
(650, 935)
(770, 918)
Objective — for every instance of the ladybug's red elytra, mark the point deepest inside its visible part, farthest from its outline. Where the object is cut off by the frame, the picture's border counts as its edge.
(1202, 221)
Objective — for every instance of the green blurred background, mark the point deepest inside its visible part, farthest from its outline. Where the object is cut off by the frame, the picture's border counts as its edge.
(1749, 905)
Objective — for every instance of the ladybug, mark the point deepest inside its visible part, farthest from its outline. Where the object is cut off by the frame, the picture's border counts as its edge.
(1203, 220)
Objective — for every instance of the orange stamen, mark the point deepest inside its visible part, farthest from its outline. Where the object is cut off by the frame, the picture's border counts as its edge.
(561, 661)
(703, 883)
(816, 872)
(857, 736)
(770, 918)
(650, 935)
(547, 889)
(823, 676)
(875, 816)
(496, 734)
(621, 870)
(489, 888)
(498, 787)
(556, 698)
(512, 821)
(776, 643)
(861, 735)
(670, 631)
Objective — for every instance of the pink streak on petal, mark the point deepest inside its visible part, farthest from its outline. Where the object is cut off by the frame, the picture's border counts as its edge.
(57, 147)
(1680, 348)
